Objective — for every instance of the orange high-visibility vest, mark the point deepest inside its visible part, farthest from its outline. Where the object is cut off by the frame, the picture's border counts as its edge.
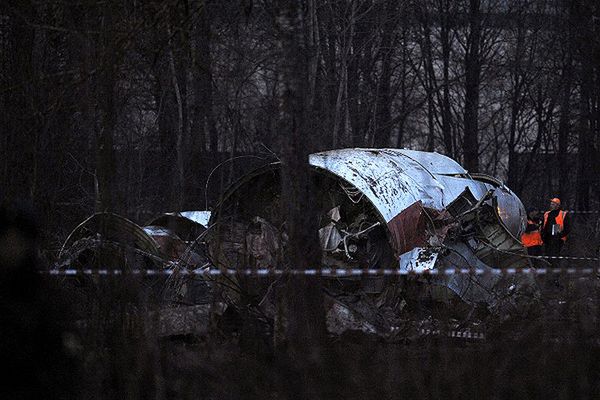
(560, 221)
(533, 238)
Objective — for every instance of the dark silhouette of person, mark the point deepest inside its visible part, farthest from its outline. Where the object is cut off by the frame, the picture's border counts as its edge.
(37, 363)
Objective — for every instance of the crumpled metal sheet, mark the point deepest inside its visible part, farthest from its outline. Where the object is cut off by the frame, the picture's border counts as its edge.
(418, 226)
(187, 229)
(394, 179)
(476, 239)
(419, 259)
(434, 162)
(199, 217)
(389, 182)
(115, 228)
(168, 238)
(411, 193)
(482, 228)
(409, 228)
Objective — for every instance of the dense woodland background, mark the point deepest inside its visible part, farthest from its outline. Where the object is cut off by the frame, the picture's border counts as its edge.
(142, 107)
(130, 106)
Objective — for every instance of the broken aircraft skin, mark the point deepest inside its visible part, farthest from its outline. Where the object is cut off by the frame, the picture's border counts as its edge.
(378, 208)
(171, 241)
(384, 208)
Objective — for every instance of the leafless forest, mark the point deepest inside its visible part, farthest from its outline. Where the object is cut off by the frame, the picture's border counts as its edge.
(145, 107)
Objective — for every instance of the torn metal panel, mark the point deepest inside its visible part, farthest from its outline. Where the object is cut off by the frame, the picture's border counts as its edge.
(497, 292)
(473, 289)
(114, 228)
(157, 231)
(394, 179)
(463, 203)
(385, 179)
(418, 226)
(382, 208)
(330, 236)
(454, 186)
(199, 217)
(409, 228)
(186, 228)
(483, 230)
(419, 259)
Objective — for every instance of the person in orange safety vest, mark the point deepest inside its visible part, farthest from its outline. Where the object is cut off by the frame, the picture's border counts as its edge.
(555, 228)
(532, 237)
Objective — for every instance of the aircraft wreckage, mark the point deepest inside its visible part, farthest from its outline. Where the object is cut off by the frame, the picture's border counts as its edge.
(378, 208)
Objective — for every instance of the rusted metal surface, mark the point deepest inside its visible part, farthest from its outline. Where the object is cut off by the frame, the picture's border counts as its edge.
(409, 229)
(418, 226)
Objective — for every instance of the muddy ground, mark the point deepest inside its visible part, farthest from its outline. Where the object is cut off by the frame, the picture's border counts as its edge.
(118, 352)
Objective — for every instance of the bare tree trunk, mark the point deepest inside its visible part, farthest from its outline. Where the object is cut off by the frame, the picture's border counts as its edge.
(429, 80)
(564, 127)
(207, 77)
(15, 123)
(472, 78)
(338, 116)
(179, 194)
(585, 146)
(306, 330)
(352, 80)
(585, 40)
(403, 90)
(445, 27)
(106, 162)
(383, 127)
(197, 114)
(206, 126)
(542, 116)
(515, 109)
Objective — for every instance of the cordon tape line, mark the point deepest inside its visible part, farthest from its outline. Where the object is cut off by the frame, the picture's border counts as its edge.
(466, 334)
(323, 272)
(577, 211)
(565, 258)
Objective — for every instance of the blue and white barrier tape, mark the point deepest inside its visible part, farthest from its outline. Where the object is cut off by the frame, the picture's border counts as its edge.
(453, 334)
(324, 272)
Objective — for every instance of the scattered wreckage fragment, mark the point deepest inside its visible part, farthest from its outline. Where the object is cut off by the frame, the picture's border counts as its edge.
(164, 241)
(170, 242)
